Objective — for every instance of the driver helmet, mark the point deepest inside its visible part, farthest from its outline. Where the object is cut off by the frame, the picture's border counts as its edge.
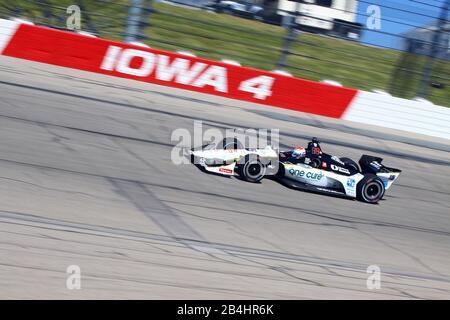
(299, 152)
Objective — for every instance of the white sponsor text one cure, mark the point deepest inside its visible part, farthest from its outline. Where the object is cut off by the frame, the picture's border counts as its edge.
(182, 71)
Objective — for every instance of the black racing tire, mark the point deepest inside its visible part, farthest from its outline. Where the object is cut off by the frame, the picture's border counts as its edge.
(349, 162)
(370, 189)
(231, 143)
(252, 169)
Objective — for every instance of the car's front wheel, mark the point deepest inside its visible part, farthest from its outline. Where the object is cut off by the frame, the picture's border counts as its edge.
(370, 189)
(252, 170)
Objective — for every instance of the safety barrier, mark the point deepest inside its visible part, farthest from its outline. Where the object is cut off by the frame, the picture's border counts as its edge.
(133, 61)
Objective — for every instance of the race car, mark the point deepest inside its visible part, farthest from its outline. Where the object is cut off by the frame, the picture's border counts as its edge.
(302, 168)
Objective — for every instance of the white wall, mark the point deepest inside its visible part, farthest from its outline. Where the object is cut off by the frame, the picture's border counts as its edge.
(402, 114)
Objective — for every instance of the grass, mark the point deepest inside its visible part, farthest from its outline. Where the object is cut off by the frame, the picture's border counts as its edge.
(255, 44)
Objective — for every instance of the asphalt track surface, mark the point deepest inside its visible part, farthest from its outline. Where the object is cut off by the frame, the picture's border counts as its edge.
(86, 179)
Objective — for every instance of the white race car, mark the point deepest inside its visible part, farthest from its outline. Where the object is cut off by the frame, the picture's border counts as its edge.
(315, 170)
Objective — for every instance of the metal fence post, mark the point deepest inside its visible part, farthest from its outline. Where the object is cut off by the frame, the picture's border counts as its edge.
(289, 21)
(145, 21)
(282, 62)
(435, 43)
(133, 20)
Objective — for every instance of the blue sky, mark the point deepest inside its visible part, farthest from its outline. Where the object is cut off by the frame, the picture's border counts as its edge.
(396, 21)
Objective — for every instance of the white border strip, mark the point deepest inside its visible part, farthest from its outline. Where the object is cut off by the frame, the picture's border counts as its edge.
(401, 114)
(7, 30)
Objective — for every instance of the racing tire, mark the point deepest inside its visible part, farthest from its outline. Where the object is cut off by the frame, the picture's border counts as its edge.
(349, 162)
(252, 170)
(370, 189)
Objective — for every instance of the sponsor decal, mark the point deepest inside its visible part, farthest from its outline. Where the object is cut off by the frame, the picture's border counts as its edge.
(340, 169)
(376, 165)
(324, 164)
(337, 160)
(306, 174)
(225, 170)
(351, 183)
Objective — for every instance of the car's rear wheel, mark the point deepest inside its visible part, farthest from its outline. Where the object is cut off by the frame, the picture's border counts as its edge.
(252, 170)
(370, 189)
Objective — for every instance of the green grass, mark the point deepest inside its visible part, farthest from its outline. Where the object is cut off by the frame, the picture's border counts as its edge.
(255, 44)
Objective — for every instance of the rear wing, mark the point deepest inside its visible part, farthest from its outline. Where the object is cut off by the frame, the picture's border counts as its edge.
(371, 164)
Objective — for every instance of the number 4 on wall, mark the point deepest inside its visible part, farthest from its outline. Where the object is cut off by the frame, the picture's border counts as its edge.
(261, 86)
